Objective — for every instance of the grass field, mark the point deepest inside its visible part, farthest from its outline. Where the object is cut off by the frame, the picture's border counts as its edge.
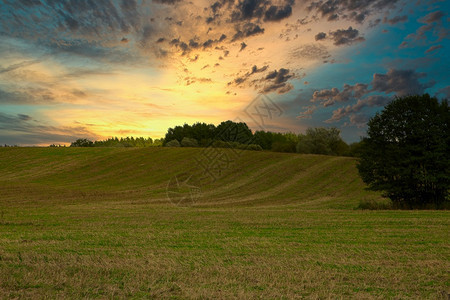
(97, 223)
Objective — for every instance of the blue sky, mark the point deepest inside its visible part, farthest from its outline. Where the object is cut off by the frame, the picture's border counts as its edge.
(96, 69)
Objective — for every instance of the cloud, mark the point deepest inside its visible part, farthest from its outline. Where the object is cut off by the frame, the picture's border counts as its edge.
(191, 80)
(432, 17)
(255, 9)
(353, 110)
(21, 129)
(171, 2)
(277, 13)
(255, 69)
(433, 48)
(238, 81)
(276, 81)
(246, 30)
(307, 113)
(310, 52)
(330, 97)
(24, 117)
(28, 96)
(19, 65)
(357, 11)
(395, 20)
(320, 36)
(400, 82)
(433, 28)
(243, 46)
(346, 36)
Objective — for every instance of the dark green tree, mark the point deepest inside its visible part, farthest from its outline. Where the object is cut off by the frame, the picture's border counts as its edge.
(82, 143)
(322, 141)
(230, 131)
(407, 152)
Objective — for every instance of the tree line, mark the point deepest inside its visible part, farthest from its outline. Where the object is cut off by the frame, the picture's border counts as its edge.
(119, 142)
(321, 140)
(229, 134)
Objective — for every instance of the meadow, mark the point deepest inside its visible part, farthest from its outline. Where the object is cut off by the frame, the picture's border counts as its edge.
(100, 223)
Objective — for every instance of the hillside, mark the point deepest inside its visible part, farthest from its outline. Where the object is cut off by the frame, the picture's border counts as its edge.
(93, 223)
(251, 178)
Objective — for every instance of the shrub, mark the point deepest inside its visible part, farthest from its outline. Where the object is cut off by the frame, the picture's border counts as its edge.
(254, 147)
(173, 143)
(188, 142)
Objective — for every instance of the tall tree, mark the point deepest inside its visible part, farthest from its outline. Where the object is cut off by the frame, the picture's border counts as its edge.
(407, 152)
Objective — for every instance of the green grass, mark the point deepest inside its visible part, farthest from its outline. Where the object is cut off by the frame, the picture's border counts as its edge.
(97, 223)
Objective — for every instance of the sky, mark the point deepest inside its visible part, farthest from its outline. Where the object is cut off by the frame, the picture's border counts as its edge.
(102, 68)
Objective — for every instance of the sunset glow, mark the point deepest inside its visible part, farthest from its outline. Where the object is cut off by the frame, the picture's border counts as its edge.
(79, 69)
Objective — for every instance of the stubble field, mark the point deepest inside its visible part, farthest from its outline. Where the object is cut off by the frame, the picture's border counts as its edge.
(98, 223)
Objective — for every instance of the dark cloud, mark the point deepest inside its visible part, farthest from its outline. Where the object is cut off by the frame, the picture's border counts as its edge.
(280, 88)
(353, 110)
(255, 69)
(21, 129)
(433, 28)
(259, 10)
(243, 46)
(435, 16)
(194, 43)
(86, 23)
(400, 82)
(29, 96)
(357, 11)
(191, 80)
(276, 81)
(208, 43)
(332, 96)
(243, 78)
(346, 36)
(238, 81)
(24, 117)
(246, 30)
(320, 36)
(395, 20)
(19, 65)
(171, 2)
(374, 23)
(222, 37)
(248, 9)
(277, 13)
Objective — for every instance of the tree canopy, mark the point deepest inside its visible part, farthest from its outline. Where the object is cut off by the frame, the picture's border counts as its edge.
(407, 152)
